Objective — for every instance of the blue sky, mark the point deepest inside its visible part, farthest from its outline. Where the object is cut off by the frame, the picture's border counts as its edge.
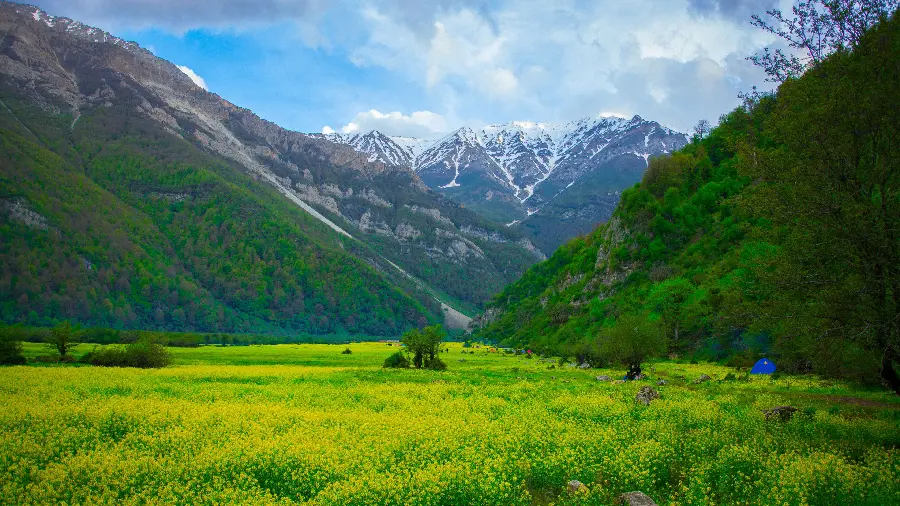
(420, 67)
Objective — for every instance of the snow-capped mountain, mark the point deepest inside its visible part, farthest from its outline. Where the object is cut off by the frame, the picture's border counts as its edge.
(512, 171)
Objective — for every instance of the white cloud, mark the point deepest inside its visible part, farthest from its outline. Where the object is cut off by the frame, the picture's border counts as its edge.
(673, 61)
(417, 124)
(199, 81)
(477, 61)
(327, 130)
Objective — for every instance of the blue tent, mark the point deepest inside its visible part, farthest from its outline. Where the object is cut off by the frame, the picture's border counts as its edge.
(764, 366)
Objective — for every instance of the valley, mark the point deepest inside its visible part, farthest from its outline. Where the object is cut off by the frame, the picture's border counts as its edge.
(201, 306)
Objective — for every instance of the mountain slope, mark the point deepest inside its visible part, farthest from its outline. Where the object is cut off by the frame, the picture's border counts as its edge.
(56, 71)
(774, 236)
(550, 181)
(138, 232)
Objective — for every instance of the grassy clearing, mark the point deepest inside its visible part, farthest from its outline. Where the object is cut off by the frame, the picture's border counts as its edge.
(303, 424)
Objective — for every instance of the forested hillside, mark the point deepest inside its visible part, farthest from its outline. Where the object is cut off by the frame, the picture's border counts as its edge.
(112, 221)
(776, 234)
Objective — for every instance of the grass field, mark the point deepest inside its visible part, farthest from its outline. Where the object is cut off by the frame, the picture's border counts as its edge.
(304, 424)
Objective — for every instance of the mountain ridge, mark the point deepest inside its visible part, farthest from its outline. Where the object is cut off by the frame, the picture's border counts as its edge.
(511, 171)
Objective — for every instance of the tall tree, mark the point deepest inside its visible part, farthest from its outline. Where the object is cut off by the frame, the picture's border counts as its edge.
(424, 344)
(833, 193)
(63, 338)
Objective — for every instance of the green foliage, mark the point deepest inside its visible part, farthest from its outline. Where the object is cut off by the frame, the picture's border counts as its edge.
(144, 354)
(632, 340)
(436, 364)
(396, 361)
(63, 338)
(11, 350)
(142, 230)
(424, 345)
(773, 235)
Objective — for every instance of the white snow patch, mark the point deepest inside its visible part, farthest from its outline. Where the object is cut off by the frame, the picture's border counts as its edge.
(453, 184)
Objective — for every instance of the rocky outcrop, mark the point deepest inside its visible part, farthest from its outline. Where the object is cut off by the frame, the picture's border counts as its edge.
(645, 395)
(20, 210)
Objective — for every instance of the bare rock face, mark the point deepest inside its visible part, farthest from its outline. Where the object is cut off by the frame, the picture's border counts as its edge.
(645, 395)
(780, 413)
(635, 499)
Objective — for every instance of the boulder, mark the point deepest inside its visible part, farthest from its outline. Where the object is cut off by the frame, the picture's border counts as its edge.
(702, 379)
(585, 365)
(645, 395)
(780, 413)
(576, 487)
(603, 378)
(662, 383)
(635, 499)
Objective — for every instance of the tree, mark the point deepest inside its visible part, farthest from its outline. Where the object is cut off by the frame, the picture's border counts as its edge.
(817, 29)
(424, 344)
(702, 128)
(63, 338)
(832, 192)
(633, 339)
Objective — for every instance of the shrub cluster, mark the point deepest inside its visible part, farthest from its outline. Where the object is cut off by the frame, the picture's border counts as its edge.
(397, 361)
(11, 352)
(435, 364)
(144, 354)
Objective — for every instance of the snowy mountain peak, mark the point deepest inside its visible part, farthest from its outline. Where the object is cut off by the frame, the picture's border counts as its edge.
(515, 169)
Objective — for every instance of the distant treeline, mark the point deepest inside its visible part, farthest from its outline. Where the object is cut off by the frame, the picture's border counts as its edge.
(99, 335)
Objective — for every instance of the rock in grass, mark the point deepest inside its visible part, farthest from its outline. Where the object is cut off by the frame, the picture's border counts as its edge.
(662, 383)
(585, 365)
(635, 499)
(603, 378)
(780, 413)
(576, 487)
(645, 395)
(618, 382)
(702, 379)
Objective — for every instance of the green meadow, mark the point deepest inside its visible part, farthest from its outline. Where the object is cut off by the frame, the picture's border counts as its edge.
(306, 424)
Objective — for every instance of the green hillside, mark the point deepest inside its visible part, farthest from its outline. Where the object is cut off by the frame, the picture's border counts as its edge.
(111, 221)
(776, 234)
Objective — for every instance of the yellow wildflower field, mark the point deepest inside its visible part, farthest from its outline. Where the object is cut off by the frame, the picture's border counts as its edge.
(304, 424)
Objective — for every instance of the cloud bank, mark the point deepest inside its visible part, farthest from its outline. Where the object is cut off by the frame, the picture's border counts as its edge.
(417, 124)
(486, 61)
